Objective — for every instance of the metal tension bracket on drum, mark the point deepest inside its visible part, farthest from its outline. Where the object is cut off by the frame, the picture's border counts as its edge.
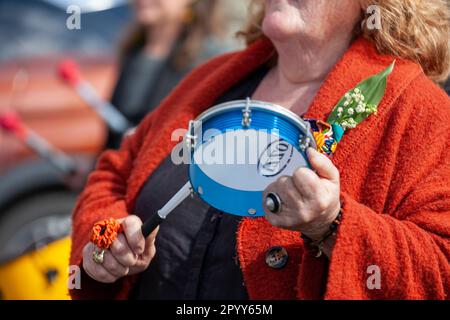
(247, 114)
(191, 137)
(304, 141)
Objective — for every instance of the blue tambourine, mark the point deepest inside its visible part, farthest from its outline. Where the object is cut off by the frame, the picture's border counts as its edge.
(236, 149)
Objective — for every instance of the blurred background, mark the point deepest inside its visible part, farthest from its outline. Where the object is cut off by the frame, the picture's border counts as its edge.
(75, 76)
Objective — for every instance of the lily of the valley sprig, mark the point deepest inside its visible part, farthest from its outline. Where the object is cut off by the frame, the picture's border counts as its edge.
(355, 108)
(359, 103)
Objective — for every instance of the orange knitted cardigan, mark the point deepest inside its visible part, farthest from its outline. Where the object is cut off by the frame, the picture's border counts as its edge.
(395, 186)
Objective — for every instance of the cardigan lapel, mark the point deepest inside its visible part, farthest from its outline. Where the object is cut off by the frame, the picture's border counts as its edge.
(256, 236)
(358, 63)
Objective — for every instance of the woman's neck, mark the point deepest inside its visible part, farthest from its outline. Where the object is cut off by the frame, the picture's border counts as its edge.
(304, 61)
(161, 38)
(299, 73)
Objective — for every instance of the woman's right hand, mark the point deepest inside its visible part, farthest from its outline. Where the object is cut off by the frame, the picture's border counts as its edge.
(129, 254)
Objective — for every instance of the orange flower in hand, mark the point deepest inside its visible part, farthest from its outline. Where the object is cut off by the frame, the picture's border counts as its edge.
(104, 232)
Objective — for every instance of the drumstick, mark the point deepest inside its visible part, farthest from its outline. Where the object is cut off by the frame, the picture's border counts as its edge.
(68, 70)
(11, 123)
(154, 221)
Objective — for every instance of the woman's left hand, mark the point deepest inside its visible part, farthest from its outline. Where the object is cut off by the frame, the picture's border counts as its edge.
(310, 200)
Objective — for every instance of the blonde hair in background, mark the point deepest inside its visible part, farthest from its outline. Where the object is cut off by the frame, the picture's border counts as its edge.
(418, 30)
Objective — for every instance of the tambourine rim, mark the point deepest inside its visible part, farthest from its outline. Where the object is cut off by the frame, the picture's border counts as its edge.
(255, 105)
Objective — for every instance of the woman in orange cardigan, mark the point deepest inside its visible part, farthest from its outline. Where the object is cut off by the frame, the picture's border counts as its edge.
(388, 184)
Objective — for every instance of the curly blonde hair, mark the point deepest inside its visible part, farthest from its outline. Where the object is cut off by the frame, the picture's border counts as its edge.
(416, 30)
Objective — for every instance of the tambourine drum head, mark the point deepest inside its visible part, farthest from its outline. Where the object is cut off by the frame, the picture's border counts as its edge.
(232, 165)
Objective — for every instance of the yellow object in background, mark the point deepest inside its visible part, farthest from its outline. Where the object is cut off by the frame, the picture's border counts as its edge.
(38, 275)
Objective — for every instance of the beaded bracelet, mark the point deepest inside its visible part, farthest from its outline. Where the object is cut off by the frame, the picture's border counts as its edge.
(317, 244)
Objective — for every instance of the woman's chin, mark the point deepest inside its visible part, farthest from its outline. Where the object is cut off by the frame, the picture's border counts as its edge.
(279, 28)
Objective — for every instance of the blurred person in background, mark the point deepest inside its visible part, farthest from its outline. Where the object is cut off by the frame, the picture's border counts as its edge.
(169, 38)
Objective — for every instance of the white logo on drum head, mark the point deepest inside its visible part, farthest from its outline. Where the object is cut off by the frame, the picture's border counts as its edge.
(275, 158)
